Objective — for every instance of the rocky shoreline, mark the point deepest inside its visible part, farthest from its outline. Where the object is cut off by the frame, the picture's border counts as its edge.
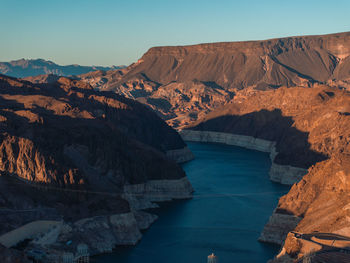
(284, 174)
(279, 224)
(104, 232)
(68, 162)
(180, 155)
(278, 227)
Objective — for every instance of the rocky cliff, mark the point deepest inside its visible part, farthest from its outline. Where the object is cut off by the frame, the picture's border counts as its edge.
(69, 152)
(290, 91)
(310, 128)
(183, 83)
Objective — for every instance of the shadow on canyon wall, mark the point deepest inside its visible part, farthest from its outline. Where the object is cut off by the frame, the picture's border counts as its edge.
(133, 118)
(118, 144)
(292, 144)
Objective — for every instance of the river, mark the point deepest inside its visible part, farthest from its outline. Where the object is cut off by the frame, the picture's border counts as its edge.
(233, 200)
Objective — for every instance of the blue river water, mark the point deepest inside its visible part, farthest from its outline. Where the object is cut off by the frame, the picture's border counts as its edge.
(233, 200)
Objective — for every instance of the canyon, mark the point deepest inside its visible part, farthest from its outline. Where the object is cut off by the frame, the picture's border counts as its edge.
(290, 92)
(288, 97)
(309, 127)
(88, 161)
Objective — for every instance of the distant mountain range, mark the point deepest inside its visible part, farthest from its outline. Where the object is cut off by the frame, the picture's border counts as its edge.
(32, 67)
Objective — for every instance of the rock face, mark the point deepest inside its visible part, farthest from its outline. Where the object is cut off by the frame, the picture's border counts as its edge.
(290, 91)
(286, 174)
(180, 155)
(32, 67)
(12, 256)
(285, 96)
(248, 142)
(103, 233)
(83, 151)
(184, 83)
(278, 226)
(311, 129)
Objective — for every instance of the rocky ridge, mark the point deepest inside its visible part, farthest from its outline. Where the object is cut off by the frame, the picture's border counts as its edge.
(184, 83)
(310, 132)
(32, 67)
(82, 150)
(291, 91)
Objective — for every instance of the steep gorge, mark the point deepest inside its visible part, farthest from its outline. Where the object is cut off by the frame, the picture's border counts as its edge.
(311, 132)
(72, 155)
(289, 91)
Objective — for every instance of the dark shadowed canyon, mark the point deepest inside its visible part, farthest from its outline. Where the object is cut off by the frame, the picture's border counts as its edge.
(95, 153)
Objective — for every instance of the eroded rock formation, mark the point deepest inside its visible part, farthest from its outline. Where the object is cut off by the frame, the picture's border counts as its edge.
(69, 152)
(310, 127)
(289, 91)
(183, 83)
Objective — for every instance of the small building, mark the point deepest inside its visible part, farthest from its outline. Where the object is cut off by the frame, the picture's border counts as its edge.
(212, 258)
(82, 255)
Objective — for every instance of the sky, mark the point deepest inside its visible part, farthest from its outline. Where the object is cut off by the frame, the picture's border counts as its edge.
(106, 32)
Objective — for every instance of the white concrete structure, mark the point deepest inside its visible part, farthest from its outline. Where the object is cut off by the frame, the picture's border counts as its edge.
(82, 255)
(212, 258)
(31, 230)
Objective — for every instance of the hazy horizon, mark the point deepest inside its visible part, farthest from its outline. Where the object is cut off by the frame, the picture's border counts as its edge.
(68, 32)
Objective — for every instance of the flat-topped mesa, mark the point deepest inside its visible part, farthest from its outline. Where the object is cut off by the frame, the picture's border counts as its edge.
(183, 83)
(284, 61)
(335, 43)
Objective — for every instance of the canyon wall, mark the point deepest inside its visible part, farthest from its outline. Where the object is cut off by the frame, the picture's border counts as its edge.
(291, 91)
(180, 155)
(310, 128)
(97, 158)
(183, 83)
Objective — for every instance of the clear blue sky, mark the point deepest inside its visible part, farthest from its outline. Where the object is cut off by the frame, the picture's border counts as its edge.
(106, 32)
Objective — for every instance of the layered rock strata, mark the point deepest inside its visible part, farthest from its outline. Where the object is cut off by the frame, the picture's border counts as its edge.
(310, 128)
(97, 158)
(278, 226)
(180, 155)
(183, 83)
